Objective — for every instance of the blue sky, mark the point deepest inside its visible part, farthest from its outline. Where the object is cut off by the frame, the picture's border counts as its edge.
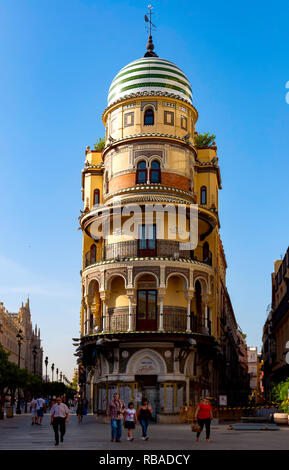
(57, 59)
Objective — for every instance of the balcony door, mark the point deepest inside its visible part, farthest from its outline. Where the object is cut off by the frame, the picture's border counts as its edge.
(147, 243)
(146, 310)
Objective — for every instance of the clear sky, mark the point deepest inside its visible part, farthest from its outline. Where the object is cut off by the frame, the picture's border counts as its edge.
(57, 59)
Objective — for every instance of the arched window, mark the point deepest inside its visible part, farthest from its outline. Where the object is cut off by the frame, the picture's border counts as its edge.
(93, 254)
(155, 173)
(149, 117)
(207, 255)
(141, 172)
(203, 195)
(96, 197)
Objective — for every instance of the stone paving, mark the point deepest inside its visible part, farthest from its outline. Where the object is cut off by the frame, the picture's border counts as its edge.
(17, 433)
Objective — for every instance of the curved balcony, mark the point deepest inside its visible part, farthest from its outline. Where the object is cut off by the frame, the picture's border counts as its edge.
(174, 321)
(132, 249)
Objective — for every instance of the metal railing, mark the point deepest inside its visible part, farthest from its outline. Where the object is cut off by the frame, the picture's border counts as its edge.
(168, 248)
(172, 321)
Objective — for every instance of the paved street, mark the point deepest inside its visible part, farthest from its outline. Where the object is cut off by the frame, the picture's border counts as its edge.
(18, 433)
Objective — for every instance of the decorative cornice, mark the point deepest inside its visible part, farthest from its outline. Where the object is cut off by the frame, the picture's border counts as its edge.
(147, 93)
(149, 187)
(113, 142)
(142, 259)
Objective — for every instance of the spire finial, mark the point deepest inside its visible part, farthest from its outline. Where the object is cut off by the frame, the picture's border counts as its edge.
(150, 46)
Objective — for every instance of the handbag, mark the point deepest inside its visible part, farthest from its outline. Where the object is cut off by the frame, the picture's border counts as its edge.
(196, 427)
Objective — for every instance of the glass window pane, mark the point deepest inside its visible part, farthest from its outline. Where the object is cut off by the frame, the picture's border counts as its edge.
(155, 165)
(155, 176)
(152, 299)
(141, 176)
(141, 305)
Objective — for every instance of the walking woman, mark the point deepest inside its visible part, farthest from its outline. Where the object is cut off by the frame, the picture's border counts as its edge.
(204, 415)
(144, 415)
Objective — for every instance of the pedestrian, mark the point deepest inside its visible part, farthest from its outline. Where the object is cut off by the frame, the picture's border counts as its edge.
(33, 405)
(59, 415)
(40, 409)
(85, 405)
(115, 411)
(144, 415)
(130, 420)
(79, 410)
(204, 415)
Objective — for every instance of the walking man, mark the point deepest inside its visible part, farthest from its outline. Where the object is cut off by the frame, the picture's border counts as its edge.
(115, 410)
(59, 415)
(40, 409)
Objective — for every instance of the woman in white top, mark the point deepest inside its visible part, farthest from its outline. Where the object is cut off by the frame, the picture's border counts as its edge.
(130, 420)
(33, 405)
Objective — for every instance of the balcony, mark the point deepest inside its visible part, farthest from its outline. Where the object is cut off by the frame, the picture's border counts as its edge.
(172, 322)
(163, 248)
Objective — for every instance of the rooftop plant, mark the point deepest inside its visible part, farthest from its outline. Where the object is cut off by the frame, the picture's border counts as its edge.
(204, 140)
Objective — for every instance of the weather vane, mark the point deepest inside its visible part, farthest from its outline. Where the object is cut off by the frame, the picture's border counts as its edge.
(149, 20)
(150, 46)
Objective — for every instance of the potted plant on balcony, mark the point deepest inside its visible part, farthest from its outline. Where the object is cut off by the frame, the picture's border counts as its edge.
(280, 394)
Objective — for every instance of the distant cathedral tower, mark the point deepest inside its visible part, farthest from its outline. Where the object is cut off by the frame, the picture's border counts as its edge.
(153, 309)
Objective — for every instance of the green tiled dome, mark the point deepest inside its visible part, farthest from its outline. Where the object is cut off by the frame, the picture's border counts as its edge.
(150, 74)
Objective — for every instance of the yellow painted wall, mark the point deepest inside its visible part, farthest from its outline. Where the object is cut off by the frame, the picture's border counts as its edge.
(175, 294)
(114, 118)
(118, 297)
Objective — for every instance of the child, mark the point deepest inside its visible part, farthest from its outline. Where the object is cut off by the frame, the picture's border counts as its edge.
(130, 420)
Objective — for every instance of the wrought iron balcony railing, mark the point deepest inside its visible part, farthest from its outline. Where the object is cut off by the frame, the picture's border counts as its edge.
(133, 249)
(172, 322)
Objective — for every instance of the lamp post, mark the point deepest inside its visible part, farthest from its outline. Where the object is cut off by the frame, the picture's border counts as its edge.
(60, 376)
(46, 364)
(19, 341)
(34, 352)
(52, 370)
(57, 374)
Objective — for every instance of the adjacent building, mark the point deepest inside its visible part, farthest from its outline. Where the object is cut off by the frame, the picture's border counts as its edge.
(156, 319)
(13, 324)
(276, 328)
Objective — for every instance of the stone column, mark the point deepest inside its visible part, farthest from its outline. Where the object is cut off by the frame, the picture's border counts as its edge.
(104, 318)
(130, 313)
(161, 318)
(206, 325)
(131, 295)
(88, 318)
(189, 300)
(161, 294)
(104, 298)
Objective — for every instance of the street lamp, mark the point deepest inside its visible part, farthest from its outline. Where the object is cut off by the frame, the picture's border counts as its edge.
(57, 374)
(46, 364)
(60, 376)
(19, 341)
(34, 352)
(52, 370)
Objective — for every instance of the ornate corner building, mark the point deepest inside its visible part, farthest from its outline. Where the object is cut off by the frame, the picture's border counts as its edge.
(153, 307)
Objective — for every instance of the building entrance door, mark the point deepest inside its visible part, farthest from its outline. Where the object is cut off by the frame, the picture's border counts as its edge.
(146, 310)
(149, 387)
